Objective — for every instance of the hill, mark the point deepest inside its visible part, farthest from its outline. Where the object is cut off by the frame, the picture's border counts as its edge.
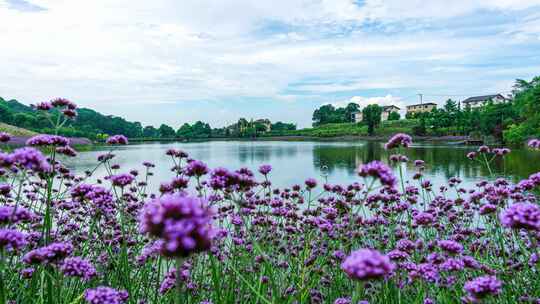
(89, 123)
(16, 131)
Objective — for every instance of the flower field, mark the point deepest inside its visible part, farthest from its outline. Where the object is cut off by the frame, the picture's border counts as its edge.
(218, 235)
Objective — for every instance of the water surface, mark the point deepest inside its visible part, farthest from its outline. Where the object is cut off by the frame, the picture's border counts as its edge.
(293, 162)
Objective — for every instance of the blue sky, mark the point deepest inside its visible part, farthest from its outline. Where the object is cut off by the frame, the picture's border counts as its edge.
(181, 61)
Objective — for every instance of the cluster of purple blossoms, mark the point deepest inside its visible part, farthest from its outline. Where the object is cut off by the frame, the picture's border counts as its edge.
(534, 144)
(481, 287)
(311, 183)
(78, 267)
(121, 180)
(98, 196)
(4, 137)
(49, 254)
(43, 106)
(67, 151)
(451, 246)
(105, 295)
(367, 264)
(265, 169)
(501, 151)
(63, 102)
(177, 153)
(380, 171)
(11, 239)
(182, 222)
(12, 214)
(117, 140)
(196, 168)
(398, 140)
(521, 216)
(28, 158)
(47, 140)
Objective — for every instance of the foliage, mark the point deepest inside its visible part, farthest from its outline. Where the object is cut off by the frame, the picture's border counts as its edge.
(394, 116)
(371, 116)
(329, 114)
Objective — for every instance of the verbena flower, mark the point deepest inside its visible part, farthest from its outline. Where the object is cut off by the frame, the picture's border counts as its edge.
(122, 180)
(367, 264)
(182, 222)
(30, 159)
(78, 267)
(521, 216)
(265, 169)
(105, 295)
(534, 143)
(12, 214)
(398, 140)
(380, 171)
(196, 168)
(11, 239)
(117, 140)
(49, 254)
(483, 286)
(47, 140)
(5, 137)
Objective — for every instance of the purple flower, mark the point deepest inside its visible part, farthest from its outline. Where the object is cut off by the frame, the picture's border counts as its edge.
(105, 295)
(521, 216)
(484, 149)
(48, 254)
(11, 239)
(182, 222)
(78, 267)
(63, 102)
(400, 139)
(378, 170)
(483, 286)
(67, 151)
(311, 183)
(451, 246)
(471, 155)
(534, 143)
(5, 137)
(265, 169)
(8, 214)
(117, 140)
(122, 180)
(47, 140)
(196, 168)
(366, 264)
(31, 159)
(43, 106)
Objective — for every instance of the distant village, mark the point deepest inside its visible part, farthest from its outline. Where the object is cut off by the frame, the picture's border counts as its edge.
(412, 110)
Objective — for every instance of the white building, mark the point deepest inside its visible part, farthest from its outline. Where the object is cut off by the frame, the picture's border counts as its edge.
(479, 101)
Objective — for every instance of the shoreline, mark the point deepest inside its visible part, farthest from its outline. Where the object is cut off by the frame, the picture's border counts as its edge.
(306, 138)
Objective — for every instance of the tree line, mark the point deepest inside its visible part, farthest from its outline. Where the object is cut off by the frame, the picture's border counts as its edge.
(512, 122)
(94, 125)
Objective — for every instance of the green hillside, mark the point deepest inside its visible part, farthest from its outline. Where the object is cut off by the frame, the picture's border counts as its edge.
(15, 131)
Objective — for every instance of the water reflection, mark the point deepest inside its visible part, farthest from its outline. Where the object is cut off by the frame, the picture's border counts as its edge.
(293, 162)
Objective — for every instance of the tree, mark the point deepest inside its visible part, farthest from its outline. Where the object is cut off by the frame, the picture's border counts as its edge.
(394, 116)
(184, 131)
(350, 109)
(150, 132)
(166, 131)
(371, 116)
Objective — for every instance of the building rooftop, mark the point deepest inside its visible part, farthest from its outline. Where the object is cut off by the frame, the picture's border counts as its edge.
(422, 104)
(482, 98)
(389, 107)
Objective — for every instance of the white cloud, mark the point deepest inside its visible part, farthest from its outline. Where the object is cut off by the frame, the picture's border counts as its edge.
(362, 101)
(158, 51)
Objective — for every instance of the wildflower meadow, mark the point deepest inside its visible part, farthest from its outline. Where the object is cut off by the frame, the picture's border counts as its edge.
(221, 235)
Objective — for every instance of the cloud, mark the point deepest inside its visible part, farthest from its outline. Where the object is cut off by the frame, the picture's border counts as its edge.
(286, 51)
(24, 6)
(362, 101)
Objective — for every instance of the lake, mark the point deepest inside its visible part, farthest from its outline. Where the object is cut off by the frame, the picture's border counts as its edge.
(293, 162)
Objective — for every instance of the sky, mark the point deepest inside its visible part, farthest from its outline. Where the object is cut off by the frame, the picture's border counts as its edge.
(177, 61)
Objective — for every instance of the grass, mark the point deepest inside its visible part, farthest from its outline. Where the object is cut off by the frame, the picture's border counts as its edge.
(15, 131)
